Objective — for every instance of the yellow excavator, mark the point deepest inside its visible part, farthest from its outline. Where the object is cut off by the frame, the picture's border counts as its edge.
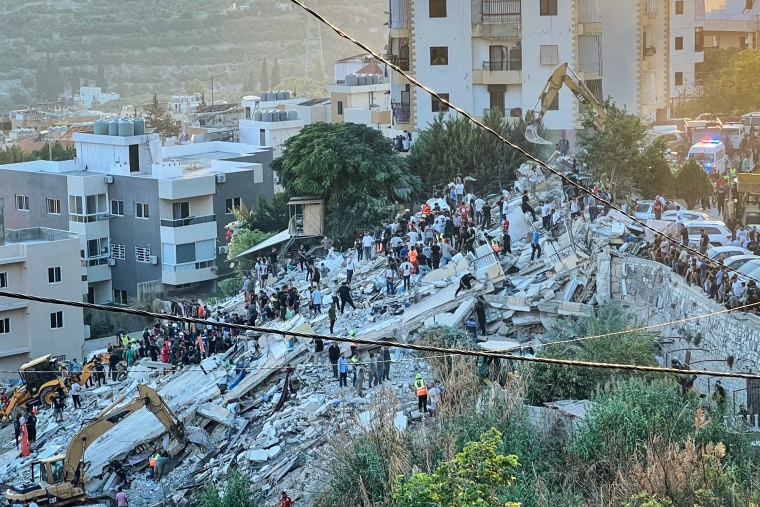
(59, 480)
(563, 75)
(40, 379)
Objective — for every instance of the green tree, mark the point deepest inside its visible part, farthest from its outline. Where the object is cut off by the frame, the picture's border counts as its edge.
(100, 79)
(264, 76)
(615, 154)
(237, 493)
(158, 120)
(57, 150)
(692, 183)
(354, 168)
(275, 74)
(14, 155)
(548, 382)
(452, 145)
(477, 477)
(271, 217)
(655, 176)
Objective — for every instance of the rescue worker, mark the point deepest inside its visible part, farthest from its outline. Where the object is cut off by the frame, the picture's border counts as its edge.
(421, 389)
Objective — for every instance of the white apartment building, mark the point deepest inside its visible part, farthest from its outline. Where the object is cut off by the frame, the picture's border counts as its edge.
(733, 24)
(687, 35)
(498, 54)
(149, 219)
(41, 262)
(361, 93)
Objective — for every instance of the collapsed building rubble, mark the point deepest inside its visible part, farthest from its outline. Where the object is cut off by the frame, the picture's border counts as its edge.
(273, 417)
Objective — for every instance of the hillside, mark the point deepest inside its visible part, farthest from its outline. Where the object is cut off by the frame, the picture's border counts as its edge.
(172, 47)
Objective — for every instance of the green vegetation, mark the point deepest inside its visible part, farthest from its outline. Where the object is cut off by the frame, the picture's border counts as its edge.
(158, 120)
(15, 154)
(354, 168)
(237, 493)
(692, 184)
(452, 145)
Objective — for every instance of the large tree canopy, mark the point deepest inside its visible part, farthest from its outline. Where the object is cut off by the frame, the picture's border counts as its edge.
(692, 184)
(619, 159)
(453, 145)
(353, 167)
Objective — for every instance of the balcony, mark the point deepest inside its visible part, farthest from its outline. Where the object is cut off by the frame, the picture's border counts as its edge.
(179, 233)
(400, 60)
(401, 112)
(498, 72)
(179, 274)
(184, 222)
(500, 19)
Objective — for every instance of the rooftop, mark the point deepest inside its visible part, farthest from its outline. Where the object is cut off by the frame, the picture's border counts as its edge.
(33, 235)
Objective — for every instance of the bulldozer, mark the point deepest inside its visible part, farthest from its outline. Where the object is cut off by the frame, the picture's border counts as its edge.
(59, 480)
(40, 378)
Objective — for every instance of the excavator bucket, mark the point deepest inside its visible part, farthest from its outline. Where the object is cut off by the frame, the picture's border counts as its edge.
(531, 135)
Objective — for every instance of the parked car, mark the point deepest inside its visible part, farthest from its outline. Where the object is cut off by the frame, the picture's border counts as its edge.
(737, 261)
(644, 210)
(749, 267)
(716, 231)
(718, 253)
(670, 215)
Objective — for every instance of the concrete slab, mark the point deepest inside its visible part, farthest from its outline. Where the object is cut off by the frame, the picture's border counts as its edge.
(215, 412)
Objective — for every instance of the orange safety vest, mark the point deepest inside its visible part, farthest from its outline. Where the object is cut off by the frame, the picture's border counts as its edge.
(421, 387)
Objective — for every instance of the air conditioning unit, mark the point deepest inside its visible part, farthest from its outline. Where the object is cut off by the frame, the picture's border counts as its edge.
(224, 250)
(221, 178)
(108, 179)
(111, 262)
(153, 259)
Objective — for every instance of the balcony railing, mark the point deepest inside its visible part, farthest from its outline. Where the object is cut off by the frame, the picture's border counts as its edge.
(184, 222)
(496, 65)
(401, 60)
(500, 12)
(95, 217)
(401, 112)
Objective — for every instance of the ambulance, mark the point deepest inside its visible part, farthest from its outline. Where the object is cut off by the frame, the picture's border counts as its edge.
(711, 154)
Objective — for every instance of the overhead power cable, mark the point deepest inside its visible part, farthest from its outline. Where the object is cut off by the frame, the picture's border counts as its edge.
(414, 81)
(377, 343)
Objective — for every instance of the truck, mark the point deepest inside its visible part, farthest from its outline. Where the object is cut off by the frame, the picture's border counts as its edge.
(39, 381)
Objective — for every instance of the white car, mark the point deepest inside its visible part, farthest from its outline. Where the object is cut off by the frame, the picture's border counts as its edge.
(749, 267)
(737, 261)
(688, 215)
(716, 231)
(718, 253)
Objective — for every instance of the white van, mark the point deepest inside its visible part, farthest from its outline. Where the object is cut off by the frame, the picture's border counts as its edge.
(711, 153)
(751, 121)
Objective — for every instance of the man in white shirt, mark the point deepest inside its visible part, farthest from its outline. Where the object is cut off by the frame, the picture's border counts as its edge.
(546, 212)
(406, 269)
(679, 217)
(367, 244)
(460, 191)
(479, 203)
(76, 391)
(350, 264)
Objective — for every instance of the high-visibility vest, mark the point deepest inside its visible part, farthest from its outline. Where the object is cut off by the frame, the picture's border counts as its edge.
(421, 388)
(153, 460)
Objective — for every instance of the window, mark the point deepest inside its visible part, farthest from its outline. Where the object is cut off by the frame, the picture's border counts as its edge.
(54, 275)
(230, 204)
(180, 210)
(22, 202)
(340, 110)
(118, 251)
(679, 6)
(5, 325)
(88, 208)
(549, 55)
(119, 297)
(53, 206)
(678, 44)
(117, 207)
(437, 105)
(437, 8)
(3, 279)
(439, 55)
(56, 320)
(141, 210)
(98, 248)
(142, 254)
(699, 38)
(548, 8)
(679, 78)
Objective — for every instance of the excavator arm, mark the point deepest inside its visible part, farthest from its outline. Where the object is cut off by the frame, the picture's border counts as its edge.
(563, 76)
(109, 418)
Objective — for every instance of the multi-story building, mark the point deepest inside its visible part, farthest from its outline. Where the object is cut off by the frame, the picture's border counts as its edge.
(361, 93)
(733, 24)
(687, 21)
(150, 218)
(40, 262)
(498, 54)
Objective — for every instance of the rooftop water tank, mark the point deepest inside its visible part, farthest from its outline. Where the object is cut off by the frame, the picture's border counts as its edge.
(113, 127)
(375, 78)
(279, 95)
(139, 126)
(283, 115)
(266, 116)
(293, 114)
(350, 79)
(287, 94)
(101, 127)
(257, 115)
(270, 96)
(126, 128)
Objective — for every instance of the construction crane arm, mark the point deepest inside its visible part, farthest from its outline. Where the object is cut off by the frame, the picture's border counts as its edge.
(112, 416)
(563, 75)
